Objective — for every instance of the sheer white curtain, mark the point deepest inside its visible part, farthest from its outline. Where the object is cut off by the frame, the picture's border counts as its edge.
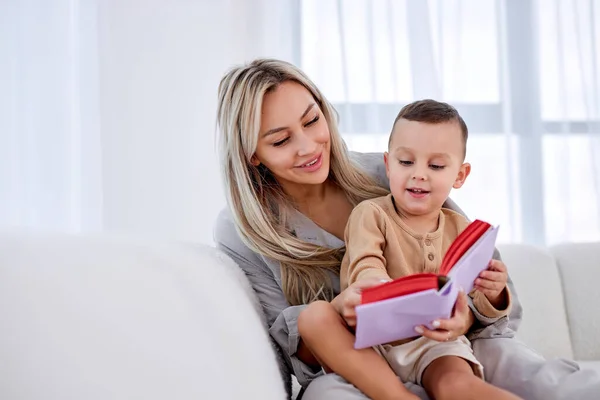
(107, 109)
(524, 75)
(50, 159)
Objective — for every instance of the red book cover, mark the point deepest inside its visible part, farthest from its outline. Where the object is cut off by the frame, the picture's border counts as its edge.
(419, 282)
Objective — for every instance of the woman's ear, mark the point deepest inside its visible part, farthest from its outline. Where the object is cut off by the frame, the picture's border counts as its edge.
(463, 173)
(254, 161)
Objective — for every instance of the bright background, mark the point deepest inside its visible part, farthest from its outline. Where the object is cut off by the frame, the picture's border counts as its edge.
(107, 107)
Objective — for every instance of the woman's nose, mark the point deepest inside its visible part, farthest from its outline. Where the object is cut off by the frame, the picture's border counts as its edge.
(307, 145)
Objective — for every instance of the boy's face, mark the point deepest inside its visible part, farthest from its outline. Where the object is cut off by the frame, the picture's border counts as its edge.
(424, 163)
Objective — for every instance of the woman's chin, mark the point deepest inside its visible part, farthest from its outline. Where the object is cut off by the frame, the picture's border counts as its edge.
(316, 178)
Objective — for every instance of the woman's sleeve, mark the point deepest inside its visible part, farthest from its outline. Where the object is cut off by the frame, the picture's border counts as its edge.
(281, 318)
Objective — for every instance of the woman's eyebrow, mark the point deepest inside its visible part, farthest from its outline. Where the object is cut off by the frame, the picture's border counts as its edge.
(275, 130)
(310, 106)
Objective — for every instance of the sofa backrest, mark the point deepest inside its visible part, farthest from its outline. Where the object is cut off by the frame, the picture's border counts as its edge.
(579, 267)
(538, 284)
(96, 318)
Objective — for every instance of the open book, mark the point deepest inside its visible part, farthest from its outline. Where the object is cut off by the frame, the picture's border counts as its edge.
(391, 311)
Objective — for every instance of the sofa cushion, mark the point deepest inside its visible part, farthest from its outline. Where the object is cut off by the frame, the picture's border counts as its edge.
(593, 365)
(97, 318)
(579, 266)
(537, 281)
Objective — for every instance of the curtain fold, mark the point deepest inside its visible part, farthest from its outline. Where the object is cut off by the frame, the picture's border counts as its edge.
(51, 160)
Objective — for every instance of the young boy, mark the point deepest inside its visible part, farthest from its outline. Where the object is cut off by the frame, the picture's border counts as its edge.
(409, 232)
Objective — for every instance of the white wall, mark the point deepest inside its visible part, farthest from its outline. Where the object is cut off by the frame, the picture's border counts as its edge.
(107, 117)
(160, 64)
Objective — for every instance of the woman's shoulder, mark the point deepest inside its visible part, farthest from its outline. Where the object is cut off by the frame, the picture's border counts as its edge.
(225, 233)
(224, 224)
(228, 239)
(373, 165)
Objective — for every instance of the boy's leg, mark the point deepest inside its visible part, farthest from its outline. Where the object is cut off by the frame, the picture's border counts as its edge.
(452, 377)
(325, 333)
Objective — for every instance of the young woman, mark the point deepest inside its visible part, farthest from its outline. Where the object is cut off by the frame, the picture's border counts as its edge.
(290, 186)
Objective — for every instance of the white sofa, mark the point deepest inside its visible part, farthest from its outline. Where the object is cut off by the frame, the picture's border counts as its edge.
(558, 288)
(119, 318)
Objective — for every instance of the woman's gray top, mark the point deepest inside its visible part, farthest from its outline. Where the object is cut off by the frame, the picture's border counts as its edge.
(281, 318)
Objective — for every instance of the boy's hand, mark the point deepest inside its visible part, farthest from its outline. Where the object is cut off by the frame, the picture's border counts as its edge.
(492, 283)
(346, 302)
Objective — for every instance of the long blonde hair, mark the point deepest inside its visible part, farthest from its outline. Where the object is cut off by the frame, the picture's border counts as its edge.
(259, 206)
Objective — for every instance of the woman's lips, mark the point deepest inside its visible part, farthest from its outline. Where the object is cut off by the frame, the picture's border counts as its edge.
(313, 165)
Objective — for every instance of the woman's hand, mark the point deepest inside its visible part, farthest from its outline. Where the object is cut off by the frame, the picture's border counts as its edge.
(449, 329)
(346, 301)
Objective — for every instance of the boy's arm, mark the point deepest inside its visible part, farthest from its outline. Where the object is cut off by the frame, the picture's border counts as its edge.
(482, 304)
(486, 327)
(365, 243)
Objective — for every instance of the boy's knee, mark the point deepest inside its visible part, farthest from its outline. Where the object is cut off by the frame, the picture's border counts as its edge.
(315, 317)
(451, 383)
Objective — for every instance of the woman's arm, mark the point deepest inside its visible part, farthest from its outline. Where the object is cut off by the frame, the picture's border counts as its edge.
(280, 318)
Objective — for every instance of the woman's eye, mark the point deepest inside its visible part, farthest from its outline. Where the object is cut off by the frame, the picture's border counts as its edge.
(404, 162)
(436, 167)
(312, 121)
(281, 142)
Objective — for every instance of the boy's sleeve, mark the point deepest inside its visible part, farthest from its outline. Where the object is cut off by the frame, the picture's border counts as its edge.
(483, 305)
(365, 243)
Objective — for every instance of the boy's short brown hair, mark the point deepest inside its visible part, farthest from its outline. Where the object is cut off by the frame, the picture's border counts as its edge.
(432, 112)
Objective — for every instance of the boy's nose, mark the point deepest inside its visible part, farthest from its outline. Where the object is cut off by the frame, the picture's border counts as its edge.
(418, 176)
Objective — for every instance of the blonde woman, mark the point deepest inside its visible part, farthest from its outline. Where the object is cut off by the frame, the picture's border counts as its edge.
(290, 187)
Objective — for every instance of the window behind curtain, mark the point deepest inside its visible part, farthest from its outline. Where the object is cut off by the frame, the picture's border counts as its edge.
(524, 75)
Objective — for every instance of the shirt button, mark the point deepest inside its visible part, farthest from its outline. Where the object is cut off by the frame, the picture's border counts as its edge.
(427, 242)
(430, 256)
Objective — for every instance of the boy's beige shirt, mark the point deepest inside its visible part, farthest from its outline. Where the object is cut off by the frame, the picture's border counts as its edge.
(379, 244)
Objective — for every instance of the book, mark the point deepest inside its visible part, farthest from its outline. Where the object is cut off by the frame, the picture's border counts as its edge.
(391, 311)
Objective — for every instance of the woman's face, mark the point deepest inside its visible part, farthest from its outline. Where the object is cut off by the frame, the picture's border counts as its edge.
(294, 142)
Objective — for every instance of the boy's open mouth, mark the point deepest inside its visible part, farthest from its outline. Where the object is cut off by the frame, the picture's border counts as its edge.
(418, 191)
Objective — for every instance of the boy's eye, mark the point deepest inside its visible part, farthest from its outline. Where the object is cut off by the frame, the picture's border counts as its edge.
(281, 142)
(436, 167)
(404, 162)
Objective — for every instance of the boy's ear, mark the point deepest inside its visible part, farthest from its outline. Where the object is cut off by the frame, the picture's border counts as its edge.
(463, 173)
(386, 161)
